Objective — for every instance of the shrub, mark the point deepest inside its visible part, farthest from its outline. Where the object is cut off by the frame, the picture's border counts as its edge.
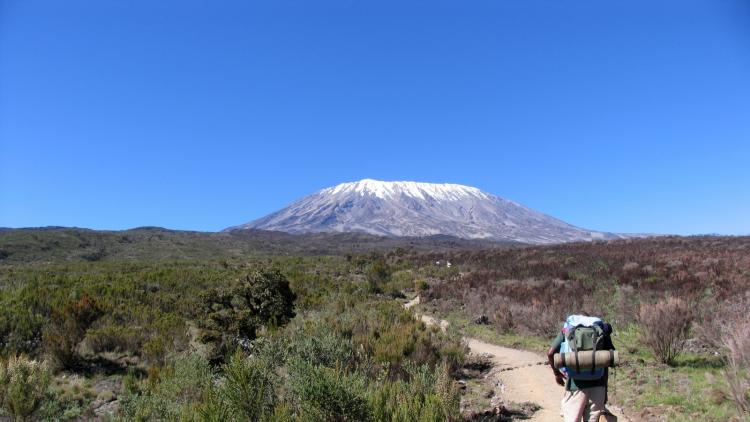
(214, 408)
(539, 319)
(167, 335)
(322, 393)
(448, 392)
(736, 339)
(665, 327)
(716, 316)
(231, 317)
(430, 394)
(112, 338)
(317, 344)
(67, 328)
(172, 393)
(502, 318)
(23, 386)
(250, 387)
(377, 275)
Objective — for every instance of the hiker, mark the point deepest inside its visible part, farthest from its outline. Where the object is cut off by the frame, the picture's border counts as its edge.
(586, 389)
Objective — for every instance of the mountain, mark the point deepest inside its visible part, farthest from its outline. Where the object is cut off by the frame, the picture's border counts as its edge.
(420, 209)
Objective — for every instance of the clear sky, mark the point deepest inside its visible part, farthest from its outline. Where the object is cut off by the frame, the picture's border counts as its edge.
(618, 115)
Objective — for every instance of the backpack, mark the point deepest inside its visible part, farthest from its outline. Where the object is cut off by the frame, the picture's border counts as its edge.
(583, 333)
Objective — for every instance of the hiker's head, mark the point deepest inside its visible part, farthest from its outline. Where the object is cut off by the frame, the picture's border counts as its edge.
(607, 328)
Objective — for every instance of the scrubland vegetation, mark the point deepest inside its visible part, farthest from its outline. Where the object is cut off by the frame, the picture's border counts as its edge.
(267, 336)
(679, 307)
(274, 338)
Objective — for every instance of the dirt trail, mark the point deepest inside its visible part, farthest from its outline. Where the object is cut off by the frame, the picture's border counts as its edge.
(523, 375)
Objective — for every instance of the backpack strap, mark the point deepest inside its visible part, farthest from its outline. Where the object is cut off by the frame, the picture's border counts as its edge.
(573, 346)
(593, 360)
(593, 357)
(570, 338)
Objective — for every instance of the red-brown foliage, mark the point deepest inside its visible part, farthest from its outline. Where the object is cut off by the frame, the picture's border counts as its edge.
(665, 327)
(67, 328)
(523, 289)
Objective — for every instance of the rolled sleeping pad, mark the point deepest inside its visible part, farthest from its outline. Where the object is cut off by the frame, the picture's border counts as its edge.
(586, 359)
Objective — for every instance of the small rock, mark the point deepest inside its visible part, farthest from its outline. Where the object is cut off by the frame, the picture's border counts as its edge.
(481, 320)
(109, 408)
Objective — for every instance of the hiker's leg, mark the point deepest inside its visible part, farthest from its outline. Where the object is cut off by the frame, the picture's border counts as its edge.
(573, 405)
(595, 405)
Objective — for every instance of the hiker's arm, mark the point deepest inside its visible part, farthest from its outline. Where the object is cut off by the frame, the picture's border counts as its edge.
(551, 358)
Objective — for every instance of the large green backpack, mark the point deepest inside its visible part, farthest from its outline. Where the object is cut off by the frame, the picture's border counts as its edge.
(580, 334)
(583, 338)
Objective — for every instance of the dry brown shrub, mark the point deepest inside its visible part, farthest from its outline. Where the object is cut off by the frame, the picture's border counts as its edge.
(716, 316)
(502, 319)
(665, 327)
(736, 340)
(539, 319)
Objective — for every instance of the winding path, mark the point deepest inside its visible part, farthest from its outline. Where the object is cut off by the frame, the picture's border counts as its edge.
(523, 375)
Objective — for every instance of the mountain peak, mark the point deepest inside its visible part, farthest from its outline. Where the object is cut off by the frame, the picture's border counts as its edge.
(419, 209)
(383, 189)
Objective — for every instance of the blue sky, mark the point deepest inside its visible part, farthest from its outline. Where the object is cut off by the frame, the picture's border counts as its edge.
(627, 116)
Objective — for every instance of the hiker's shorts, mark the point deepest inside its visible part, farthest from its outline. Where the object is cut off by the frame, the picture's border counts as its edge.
(586, 403)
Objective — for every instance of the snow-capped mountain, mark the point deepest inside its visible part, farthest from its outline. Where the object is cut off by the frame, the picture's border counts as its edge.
(419, 209)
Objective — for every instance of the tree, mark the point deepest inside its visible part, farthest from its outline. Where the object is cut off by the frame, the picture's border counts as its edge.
(231, 317)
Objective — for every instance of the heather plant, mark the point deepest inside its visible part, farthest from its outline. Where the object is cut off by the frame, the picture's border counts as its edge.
(736, 340)
(318, 344)
(67, 328)
(249, 387)
(214, 408)
(23, 386)
(231, 317)
(425, 393)
(716, 316)
(665, 327)
(171, 393)
(322, 393)
(113, 338)
(378, 274)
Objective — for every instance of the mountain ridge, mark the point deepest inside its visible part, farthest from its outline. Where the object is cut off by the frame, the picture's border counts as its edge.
(417, 209)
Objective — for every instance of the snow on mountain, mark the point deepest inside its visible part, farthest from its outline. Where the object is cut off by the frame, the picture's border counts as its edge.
(419, 209)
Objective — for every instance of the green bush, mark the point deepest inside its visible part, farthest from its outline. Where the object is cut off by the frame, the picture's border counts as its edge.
(378, 274)
(324, 365)
(322, 393)
(250, 387)
(318, 344)
(111, 338)
(23, 386)
(173, 393)
(214, 408)
(429, 395)
(232, 316)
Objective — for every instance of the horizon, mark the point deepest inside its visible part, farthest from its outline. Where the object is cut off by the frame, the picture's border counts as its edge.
(647, 234)
(622, 118)
(364, 232)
